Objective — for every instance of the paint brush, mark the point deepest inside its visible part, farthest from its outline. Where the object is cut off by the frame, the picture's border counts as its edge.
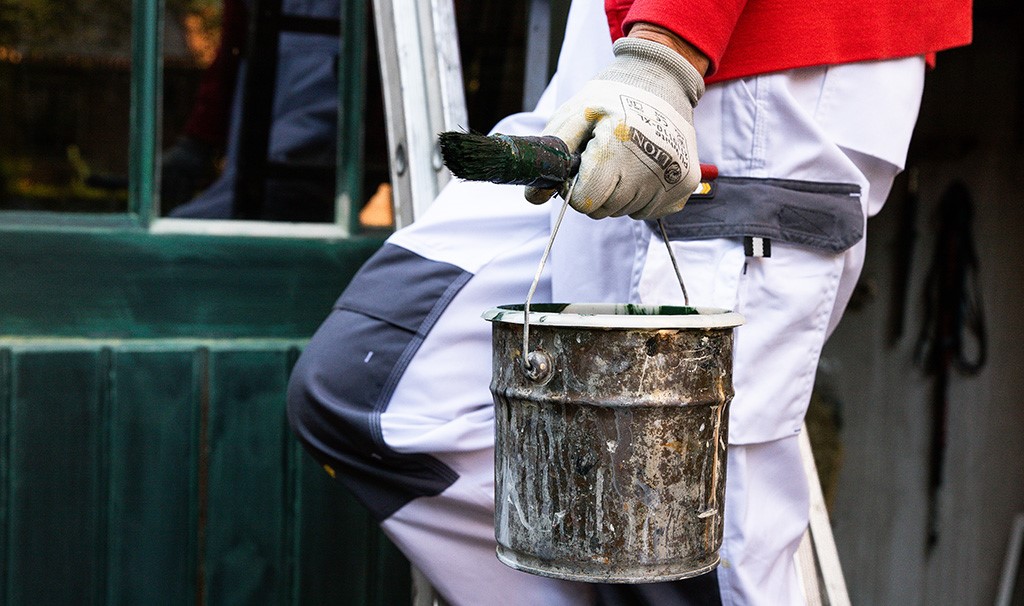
(543, 161)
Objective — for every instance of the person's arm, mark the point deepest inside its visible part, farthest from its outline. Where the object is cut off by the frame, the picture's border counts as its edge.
(705, 25)
(656, 33)
(633, 127)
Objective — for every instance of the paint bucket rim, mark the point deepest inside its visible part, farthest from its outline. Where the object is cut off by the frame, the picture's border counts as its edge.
(616, 315)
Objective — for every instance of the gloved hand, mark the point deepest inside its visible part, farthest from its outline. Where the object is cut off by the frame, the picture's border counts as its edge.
(635, 120)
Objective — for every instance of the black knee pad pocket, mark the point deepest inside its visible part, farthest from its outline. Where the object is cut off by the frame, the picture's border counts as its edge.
(347, 374)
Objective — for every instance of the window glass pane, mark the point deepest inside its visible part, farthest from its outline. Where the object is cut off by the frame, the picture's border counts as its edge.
(250, 121)
(374, 202)
(64, 94)
(250, 130)
(491, 45)
(492, 36)
(197, 86)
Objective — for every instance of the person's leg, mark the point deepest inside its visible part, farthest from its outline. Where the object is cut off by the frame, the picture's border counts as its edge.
(450, 538)
(391, 394)
(791, 300)
(766, 491)
(766, 503)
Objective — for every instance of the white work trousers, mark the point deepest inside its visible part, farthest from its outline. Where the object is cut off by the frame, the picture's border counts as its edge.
(848, 124)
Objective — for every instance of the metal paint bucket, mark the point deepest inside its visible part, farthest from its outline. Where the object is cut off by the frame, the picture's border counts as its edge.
(610, 452)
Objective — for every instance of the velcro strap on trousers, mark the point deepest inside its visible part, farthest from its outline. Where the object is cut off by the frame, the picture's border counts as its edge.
(824, 216)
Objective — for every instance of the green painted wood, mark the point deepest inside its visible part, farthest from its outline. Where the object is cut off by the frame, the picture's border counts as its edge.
(144, 453)
(163, 472)
(245, 546)
(391, 582)
(154, 454)
(7, 552)
(333, 524)
(357, 564)
(351, 113)
(56, 538)
(146, 85)
(128, 283)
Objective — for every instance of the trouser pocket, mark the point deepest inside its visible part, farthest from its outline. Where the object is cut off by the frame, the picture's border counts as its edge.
(824, 216)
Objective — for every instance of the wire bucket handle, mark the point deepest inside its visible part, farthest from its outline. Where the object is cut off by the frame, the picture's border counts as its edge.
(537, 364)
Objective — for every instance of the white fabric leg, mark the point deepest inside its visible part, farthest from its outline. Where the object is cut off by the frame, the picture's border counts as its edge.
(450, 538)
(791, 300)
(766, 504)
(880, 174)
(442, 404)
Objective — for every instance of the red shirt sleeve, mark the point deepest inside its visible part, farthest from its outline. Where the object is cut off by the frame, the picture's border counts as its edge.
(745, 38)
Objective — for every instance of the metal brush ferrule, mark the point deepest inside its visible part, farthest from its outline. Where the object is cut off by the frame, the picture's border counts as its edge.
(542, 161)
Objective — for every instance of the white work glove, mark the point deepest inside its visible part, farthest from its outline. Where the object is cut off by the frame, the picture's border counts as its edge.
(634, 125)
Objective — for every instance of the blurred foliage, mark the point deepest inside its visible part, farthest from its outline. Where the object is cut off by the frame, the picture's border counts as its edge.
(83, 26)
(38, 25)
(8, 21)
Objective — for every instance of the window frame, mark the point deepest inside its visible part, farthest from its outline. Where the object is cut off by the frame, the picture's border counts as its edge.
(144, 124)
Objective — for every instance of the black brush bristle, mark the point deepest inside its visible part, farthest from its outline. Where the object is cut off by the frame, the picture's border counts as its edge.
(476, 157)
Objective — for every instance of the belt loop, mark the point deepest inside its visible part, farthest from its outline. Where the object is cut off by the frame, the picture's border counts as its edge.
(757, 247)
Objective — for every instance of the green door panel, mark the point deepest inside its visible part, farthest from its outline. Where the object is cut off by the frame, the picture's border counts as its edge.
(154, 475)
(129, 283)
(151, 471)
(55, 481)
(145, 457)
(249, 492)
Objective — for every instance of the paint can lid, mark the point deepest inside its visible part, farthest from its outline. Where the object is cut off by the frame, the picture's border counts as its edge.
(616, 315)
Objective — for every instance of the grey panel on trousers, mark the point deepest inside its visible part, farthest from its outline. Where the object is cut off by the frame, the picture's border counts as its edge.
(346, 375)
(825, 216)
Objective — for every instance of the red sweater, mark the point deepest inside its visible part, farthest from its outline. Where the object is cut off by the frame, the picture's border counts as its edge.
(749, 37)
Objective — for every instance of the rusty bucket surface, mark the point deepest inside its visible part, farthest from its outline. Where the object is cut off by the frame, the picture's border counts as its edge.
(610, 452)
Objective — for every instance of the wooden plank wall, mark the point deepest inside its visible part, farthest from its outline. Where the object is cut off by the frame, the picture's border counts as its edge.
(163, 472)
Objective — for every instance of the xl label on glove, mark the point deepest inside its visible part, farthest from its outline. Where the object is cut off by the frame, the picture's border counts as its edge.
(651, 132)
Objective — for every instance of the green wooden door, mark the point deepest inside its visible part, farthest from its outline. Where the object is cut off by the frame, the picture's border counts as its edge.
(144, 453)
